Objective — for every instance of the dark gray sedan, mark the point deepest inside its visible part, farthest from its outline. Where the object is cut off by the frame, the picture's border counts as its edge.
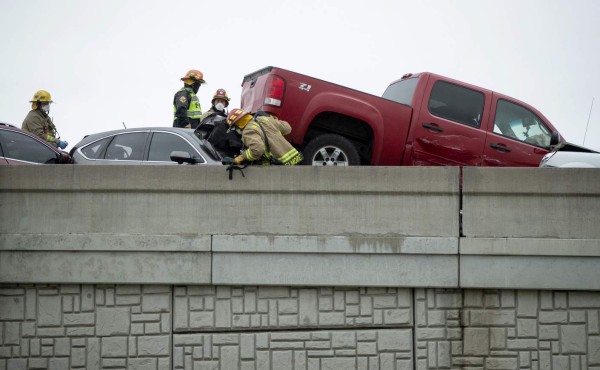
(147, 145)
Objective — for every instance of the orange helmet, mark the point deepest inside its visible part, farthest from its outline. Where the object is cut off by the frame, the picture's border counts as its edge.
(220, 94)
(238, 117)
(194, 74)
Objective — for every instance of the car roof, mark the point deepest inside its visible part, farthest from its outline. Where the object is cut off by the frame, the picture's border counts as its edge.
(187, 132)
(95, 136)
(8, 127)
(5, 124)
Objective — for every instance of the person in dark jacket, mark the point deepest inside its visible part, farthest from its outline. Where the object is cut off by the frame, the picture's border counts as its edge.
(214, 128)
(186, 106)
(218, 108)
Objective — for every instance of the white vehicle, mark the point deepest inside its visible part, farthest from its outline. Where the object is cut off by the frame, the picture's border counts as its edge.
(571, 155)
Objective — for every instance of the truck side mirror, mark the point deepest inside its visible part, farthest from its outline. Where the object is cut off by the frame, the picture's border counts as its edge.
(554, 138)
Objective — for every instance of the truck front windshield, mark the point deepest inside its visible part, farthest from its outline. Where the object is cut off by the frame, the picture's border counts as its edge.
(402, 91)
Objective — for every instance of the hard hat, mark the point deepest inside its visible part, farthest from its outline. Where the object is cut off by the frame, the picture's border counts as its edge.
(195, 75)
(41, 96)
(238, 117)
(220, 94)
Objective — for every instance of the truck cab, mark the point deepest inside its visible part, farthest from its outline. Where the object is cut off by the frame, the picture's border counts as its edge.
(461, 124)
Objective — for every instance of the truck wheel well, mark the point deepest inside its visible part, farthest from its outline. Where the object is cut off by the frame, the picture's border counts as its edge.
(358, 132)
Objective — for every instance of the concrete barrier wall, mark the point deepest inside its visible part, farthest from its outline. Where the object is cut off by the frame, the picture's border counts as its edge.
(530, 228)
(178, 267)
(202, 201)
(135, 224)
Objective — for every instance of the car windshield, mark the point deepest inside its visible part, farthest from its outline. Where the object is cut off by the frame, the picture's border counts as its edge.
(402, 91)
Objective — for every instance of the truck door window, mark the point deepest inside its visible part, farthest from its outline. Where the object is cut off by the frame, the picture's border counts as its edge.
(519, 123)
(456, 103)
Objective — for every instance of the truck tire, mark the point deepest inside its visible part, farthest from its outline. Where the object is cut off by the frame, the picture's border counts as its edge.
(331, 150)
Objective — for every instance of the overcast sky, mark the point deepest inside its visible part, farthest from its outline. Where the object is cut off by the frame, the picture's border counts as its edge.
(114, 61)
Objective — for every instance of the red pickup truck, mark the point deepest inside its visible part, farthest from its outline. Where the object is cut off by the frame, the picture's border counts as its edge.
(423, 119)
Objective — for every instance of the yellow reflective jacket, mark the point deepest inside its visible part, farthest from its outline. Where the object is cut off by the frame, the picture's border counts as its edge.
(186, 107)
(281, 149)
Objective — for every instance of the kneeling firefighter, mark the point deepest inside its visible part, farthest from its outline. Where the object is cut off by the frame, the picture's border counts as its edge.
(262, 135)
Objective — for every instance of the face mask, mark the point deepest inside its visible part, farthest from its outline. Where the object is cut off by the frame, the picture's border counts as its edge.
(220, 106)
(45, 108)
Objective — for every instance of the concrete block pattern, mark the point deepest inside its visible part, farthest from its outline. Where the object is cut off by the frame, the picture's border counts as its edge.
(343, 349)
(506, 329)
(219, 308)
(85, 326)
(45, 326)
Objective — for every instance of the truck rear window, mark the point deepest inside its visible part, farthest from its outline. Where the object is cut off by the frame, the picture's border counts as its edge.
(402, 91)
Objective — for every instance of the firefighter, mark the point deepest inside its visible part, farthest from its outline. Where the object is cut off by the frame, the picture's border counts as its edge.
(217, 111)
(186, 106)
(227, 140)
(262, 135)
(39, 122)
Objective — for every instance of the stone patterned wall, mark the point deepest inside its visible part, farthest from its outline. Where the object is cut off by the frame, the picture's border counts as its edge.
(507, 329)
(85, 327)
(437, 327)
(144, 327)
(324, 350)
(210, 308)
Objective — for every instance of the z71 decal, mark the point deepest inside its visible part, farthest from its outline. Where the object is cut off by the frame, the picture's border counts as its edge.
(305, 87)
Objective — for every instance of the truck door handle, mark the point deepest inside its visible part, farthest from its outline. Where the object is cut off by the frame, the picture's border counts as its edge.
(433, 127)
(500, 147)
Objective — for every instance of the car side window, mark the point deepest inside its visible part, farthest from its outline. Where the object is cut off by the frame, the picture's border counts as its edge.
(456, 103)
(162, 144)
(24, 148)
(94, 150)
(519, 123)
(128, 146)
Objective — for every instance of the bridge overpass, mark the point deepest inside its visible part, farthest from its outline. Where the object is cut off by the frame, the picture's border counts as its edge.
(177, 267)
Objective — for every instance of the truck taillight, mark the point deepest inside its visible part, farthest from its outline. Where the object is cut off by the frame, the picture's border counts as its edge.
(275, 90)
